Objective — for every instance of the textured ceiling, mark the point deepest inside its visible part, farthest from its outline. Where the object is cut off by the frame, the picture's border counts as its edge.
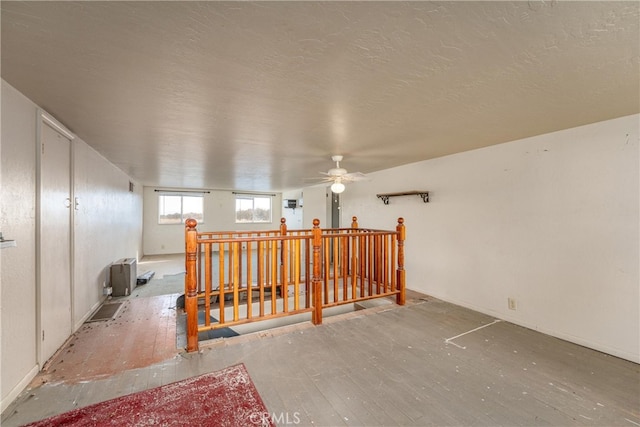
(258, 96)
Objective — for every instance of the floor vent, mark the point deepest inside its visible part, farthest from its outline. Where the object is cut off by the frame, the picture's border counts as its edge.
(106, 312)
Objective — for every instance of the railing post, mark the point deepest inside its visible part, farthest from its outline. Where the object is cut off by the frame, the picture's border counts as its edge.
(400, 296)
(191, 285)
(354, 222)
(316, 233)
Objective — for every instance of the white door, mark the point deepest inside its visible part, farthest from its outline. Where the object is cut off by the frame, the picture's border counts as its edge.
(55, 241)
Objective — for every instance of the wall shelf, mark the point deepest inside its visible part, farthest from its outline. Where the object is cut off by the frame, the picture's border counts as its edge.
(8, 244)
(385, 196)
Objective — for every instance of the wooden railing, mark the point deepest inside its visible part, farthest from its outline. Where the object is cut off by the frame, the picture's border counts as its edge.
(235, 277)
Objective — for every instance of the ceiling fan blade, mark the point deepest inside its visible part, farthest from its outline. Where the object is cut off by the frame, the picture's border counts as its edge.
(338, 174)
(320, 179)
(354, 176)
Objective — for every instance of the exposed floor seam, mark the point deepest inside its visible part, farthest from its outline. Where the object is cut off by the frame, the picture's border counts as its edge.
(450, 340)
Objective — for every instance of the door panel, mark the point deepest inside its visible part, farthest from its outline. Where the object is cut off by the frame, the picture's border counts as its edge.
(335, 210)
(55, 241)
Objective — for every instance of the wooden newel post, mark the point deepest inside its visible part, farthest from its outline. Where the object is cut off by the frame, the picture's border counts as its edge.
(316, 232)
(354, 222)
(191, 284)
(400, 273)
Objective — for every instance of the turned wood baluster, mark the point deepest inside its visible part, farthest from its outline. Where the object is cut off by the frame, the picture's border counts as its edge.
(353, 258)
(379, 263)
(199, 267)
(283, 276)
(239, 261)
(207, 281)
(191, 290)
(354, 229)
(327, 278)
(248, 252)
(222, 288)
(317, 279)
(262, 277)
(386, 267)
(274, 275)
(296, 273)
(336, 279)
(234, 254)
(307, 272)
(400, 296)
(362, 262)
(344, 264)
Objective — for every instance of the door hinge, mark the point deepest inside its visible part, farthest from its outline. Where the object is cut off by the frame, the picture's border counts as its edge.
(43, 335)
(42, 148)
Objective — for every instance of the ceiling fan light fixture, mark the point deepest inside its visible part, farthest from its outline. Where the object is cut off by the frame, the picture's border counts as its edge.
(337, 187)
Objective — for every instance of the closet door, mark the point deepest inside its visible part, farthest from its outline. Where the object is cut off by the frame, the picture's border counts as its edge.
(55, 241)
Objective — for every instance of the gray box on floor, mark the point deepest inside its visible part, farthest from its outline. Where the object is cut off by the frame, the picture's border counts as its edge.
(123, 277)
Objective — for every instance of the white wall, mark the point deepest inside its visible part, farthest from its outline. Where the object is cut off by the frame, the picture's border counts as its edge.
(18, 222)
(219, 215)
(551, 221)
(107, 226)
(295, 216)
(219, 207)
(315, 206)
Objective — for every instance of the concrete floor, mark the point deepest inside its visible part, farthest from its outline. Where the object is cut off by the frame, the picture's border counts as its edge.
(389, 365)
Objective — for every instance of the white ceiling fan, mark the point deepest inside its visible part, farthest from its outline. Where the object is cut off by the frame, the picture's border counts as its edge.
(339, 176)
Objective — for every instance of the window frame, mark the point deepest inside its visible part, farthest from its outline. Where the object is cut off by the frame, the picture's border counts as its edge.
(253, 197)
(182, 203)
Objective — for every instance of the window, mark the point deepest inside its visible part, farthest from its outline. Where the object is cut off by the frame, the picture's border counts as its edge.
(177, 208)
(253, 209)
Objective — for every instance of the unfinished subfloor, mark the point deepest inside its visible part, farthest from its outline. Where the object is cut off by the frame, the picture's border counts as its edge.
(412, 365)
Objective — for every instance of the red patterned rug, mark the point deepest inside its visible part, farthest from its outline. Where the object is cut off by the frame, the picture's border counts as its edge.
(223, 398)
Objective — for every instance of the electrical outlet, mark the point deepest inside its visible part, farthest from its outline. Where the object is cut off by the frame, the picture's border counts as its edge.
(511, 303)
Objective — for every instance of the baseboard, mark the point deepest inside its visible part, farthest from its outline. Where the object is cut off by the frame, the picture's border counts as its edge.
(15, 392)
(617, 352)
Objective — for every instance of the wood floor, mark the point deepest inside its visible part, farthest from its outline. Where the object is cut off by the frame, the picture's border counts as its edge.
(428, 363)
